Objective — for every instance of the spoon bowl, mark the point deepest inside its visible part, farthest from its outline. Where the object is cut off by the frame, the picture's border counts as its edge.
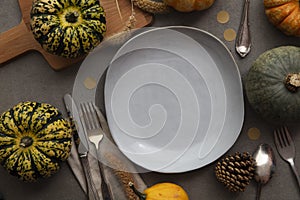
(265, 166)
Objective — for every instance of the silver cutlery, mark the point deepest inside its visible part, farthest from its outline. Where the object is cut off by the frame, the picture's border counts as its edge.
(265, 166)
(90, 115)
(286, 149)
(243, 42)
(82, 150)
(93, 128)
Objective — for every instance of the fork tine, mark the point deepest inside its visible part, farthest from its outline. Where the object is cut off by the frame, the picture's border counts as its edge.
(90, 115)
(290, 140)
(277, 142)
(94, 115)
(288, 137)
(283, 136)
(85, 115)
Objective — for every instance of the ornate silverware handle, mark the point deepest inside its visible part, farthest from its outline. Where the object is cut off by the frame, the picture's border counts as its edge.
(91, 188)
(243, 42)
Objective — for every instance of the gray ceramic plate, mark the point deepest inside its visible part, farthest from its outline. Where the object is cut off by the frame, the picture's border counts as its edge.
(173, 96)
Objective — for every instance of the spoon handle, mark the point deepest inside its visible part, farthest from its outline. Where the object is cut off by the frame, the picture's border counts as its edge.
(243, 42)
(258, 192)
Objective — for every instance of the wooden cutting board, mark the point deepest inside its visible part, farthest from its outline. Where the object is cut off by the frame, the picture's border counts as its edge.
(19, 39)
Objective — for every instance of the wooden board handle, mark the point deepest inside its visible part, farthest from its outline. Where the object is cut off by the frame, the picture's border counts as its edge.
(16, 41)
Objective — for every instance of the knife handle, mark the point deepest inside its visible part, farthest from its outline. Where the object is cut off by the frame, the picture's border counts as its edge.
(91, 188)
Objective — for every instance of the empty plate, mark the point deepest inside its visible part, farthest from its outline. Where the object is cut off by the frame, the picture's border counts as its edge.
(173, 97)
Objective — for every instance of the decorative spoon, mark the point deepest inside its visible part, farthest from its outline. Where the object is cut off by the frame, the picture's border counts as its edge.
(265, 166)
(243, 42)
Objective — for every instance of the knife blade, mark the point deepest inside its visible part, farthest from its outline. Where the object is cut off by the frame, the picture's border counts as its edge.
(82, 148)
(74, 114)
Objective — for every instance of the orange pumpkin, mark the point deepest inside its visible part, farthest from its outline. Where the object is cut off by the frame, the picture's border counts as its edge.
(189, 5)
(285, 15)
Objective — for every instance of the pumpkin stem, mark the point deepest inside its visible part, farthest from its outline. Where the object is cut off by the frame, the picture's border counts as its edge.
(26, 142)
(142, 196)
(292, 82)
(72, 17)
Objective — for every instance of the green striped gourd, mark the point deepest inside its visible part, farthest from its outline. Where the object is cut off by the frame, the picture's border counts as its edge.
(68, 28)
(34, 140)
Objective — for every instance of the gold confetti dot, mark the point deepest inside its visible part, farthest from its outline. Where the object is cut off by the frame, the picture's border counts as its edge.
(90, 83)
(253, 133)
(229, 34)
(223, 17)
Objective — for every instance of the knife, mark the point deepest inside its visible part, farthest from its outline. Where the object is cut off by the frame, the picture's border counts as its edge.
(73, 113)
(82, 149)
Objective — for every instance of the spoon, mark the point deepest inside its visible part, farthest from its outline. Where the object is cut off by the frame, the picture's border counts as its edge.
(265, 166)
(243, 42)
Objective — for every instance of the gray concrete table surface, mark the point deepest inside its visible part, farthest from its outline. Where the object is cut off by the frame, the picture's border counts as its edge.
(29, 77)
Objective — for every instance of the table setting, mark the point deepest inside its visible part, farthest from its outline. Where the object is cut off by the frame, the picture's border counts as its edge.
(149, 99)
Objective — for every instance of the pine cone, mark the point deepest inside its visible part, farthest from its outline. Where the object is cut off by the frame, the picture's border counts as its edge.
(236, 171)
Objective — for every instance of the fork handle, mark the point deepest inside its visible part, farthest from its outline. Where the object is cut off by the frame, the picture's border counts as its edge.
(294, 168)
(91, 188)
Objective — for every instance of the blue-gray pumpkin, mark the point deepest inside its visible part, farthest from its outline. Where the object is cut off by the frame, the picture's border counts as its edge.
(272, 84)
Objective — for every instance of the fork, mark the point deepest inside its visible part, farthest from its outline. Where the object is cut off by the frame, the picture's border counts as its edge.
(90, 114)
(90, 117)
(286, 148)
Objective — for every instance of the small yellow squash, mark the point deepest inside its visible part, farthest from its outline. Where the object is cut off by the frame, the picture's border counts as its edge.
(162, 191)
